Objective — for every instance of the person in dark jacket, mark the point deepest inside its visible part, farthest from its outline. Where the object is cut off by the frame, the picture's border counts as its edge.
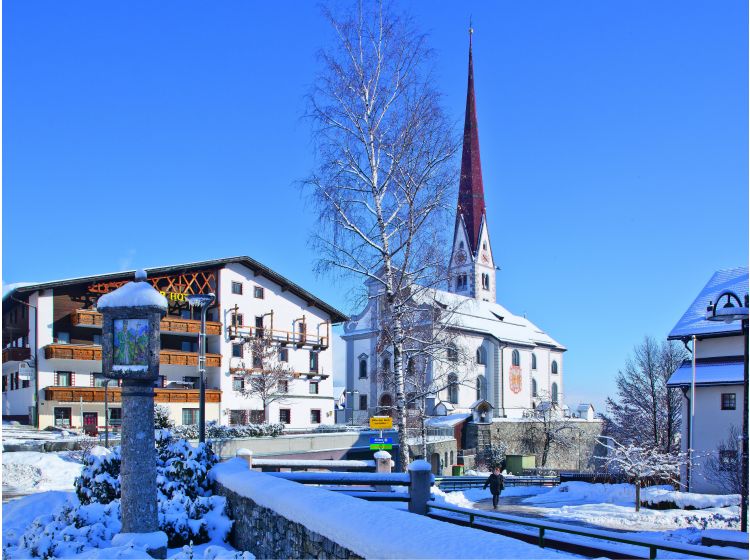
(496, 483)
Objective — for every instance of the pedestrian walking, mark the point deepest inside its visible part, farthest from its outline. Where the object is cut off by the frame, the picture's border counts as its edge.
(496, 483)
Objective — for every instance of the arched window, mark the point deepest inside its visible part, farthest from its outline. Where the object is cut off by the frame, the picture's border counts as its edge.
(481, 388)
(453, 388)
(451, 457)
(363, 367)
(516, 358)
(410, 366)
(533, 361)
(554, 366)
(452, 353)
(482, 356)
(460, 244)
(554, 393)
(411, 401)
(386, 364)
(386, 405)
(533, 388)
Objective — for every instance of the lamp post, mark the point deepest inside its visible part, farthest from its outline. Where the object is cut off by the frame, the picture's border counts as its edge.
(734, 310)
(202, 301)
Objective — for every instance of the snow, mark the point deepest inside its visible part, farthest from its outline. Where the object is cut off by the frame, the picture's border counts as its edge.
(447, 421)
(657, 495)
(370, 529)
(313, 463)
(132, 294)
(150, 541)
(32, 471)
(570, 493)
(467, 498)
(725, 535)
(419, 465)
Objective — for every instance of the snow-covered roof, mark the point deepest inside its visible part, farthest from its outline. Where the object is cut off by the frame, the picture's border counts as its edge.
(492, 319)
(478, 402)
(446, 421)
(708, 373)
(694, 320)
(584, 406)
(133, 294)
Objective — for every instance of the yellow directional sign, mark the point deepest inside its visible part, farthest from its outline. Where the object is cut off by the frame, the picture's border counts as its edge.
(381, 423)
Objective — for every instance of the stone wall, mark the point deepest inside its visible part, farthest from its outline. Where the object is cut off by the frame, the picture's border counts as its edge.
(580, 453)
(267, 534)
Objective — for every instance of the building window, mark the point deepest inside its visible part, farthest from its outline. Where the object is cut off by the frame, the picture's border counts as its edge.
(115, 417)
(97, 339)
(238, 319)
(481, 391)
(98, 380)
(237, 288)
(193, 380)
(386, 364)
(62, 417)
(258, 292)
(186, 313)
(283, 386)
(259, 330)
(482, 356)
(453, 388)
(236, 350)
(315, 416)
(186, 346)
(461, 282)
(285, 416)
(728, 460)
(485, 281)
(452, 353)
(363, 402)
(283, 355)
(728, 401)
(554, 393)
(516, 358)
(237, 417)
(160, 382)
(533, 361)
(313, 361)
(257, 417)
(189, 416)
(362, 367)
(5, 383)
(64, 378)
(313, 387)
(554, 366)
(533, 388)
(238, 383)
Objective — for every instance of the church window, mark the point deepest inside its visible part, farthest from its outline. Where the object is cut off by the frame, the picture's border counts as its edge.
(485, 281)
(554, 393)
(461, 282)
(363, 367)
(481, 391)
(481, 356)
(452, 354)
(484, 245)
(533, 388)
(533, 361)
(516, 360)
(554, 366)
(453, 388)
(461, 245)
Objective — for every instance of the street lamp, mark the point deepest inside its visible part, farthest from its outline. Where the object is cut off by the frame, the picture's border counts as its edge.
(203, 302)
(734, 310)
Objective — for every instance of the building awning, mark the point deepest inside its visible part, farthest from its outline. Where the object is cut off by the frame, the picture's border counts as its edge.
(713, 373)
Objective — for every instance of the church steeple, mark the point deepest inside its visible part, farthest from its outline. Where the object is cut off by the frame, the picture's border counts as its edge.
(472, 266)
(470, 188)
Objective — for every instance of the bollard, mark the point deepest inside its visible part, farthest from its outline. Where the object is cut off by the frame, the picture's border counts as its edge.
(383, 464)
(420, 482)
(247, 455)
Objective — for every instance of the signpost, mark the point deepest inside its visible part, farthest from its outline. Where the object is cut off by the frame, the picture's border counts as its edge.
(377, 443)
(381, 423)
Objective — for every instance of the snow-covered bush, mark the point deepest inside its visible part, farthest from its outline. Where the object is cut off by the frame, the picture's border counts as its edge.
(161, 417)
(187, 510)
(216, 431)
(492, 456)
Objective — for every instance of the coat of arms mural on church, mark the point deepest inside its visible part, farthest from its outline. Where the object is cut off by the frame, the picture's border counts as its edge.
(516, 383)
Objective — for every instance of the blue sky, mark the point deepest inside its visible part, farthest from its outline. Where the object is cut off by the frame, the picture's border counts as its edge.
(613, 135)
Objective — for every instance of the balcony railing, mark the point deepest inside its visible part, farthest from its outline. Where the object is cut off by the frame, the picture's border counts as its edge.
(312, 376)
(284, 338)
(94, 352)
(96, 394)
(89, 318)
(16, 354)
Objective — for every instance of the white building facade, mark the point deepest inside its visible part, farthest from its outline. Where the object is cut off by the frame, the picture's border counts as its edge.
(512, 363)
(52, 348)
(712, 404)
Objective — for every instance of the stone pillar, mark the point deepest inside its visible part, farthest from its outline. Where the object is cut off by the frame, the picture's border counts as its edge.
(138, 470)
(383, 465)
(419, 486)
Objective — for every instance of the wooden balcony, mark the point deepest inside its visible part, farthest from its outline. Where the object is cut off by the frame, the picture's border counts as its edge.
(16, 354)
(94, 352)
(89, 318)
(96, 394)
(283, 338)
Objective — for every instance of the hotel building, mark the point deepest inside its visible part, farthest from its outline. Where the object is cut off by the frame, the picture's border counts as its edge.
(52, 347)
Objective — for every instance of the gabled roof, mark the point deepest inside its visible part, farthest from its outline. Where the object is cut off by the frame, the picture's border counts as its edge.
(709, 372)
(261, 269)
(694, 322)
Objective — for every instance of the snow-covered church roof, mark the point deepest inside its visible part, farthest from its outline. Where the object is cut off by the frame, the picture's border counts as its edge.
(493, 319)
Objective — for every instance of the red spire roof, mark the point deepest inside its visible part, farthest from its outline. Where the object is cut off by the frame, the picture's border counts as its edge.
(470, 188)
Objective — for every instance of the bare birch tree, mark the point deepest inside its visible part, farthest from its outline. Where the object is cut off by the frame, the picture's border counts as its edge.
(383, 172)
(645, 411)
(268, 377)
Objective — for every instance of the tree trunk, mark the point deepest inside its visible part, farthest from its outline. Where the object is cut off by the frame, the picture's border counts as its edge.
(423, 428)
(637, 494)
(398, 378)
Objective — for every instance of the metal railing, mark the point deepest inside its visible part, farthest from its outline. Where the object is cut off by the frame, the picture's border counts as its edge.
(453, 483)
(543, 540)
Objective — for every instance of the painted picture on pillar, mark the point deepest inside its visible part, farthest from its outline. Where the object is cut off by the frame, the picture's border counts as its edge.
(130, 342)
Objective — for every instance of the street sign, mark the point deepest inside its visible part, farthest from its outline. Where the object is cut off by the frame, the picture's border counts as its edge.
(381, 440)
(379, 446)
(381, 423)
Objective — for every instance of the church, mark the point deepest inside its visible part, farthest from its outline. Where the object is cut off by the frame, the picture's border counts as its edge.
(514, 365)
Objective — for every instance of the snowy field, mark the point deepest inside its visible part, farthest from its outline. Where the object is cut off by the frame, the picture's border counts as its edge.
(612, 507)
